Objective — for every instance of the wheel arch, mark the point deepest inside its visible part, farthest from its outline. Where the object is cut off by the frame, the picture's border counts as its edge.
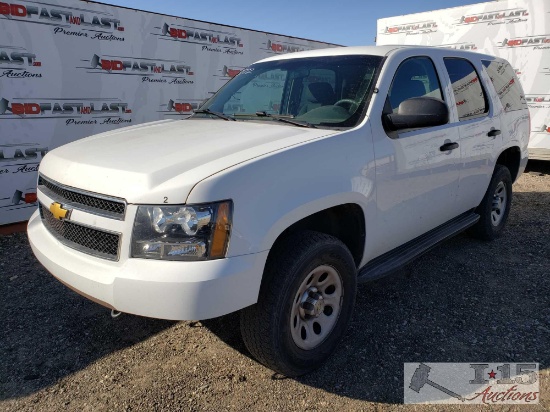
(511, 158)
(344, 221)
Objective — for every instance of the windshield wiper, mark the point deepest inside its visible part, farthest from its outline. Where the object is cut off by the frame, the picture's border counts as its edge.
(217, 114)
(286, 119)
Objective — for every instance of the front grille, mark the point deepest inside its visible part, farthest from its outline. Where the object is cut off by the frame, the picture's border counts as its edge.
(82, 238)
(91, 202)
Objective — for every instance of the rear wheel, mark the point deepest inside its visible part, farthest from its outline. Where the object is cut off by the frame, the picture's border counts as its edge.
(495, 206)
(305, 304)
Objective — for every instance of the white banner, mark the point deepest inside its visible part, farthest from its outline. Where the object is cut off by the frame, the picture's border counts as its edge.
(517, 30)
(70, 69)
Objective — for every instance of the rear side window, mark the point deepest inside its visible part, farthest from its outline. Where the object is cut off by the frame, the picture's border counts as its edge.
(471, 101)
(506, 84)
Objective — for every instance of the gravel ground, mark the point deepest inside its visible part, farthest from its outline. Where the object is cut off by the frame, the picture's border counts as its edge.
(465, 301)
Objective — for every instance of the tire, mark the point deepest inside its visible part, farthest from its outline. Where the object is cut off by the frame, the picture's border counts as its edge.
(290, 329)
(495, 206)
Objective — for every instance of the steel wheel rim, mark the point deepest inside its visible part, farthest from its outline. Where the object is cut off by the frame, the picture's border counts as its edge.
(316, 307)
(498, 208)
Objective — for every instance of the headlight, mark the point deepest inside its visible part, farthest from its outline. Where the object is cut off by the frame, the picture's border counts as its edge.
(187, 232)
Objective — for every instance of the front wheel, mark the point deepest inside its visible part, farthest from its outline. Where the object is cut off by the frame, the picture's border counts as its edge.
(304, 306)
(495, 206)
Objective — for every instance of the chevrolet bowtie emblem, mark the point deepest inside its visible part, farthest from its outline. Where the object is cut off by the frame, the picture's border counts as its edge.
(58, 212)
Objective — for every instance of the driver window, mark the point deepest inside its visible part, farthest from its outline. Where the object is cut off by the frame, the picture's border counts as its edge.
(415, 77)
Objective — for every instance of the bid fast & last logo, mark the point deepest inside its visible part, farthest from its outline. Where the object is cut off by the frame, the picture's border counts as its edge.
(284, 47)
(538, 101)
(545, 128)
(495, 17)
(18, 63)
(150, 70)
(538, 42)
(70, 21)
(21, 152)
(410, 29)
(460, 46)
(21, 158)
(218, 42)
(179, 107)
(230, 72)
(90, 111)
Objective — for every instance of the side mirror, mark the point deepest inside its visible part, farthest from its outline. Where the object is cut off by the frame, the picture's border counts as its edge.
(418, 112)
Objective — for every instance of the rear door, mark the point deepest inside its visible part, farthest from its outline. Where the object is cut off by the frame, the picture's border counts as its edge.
(508, 90)
(479, 126)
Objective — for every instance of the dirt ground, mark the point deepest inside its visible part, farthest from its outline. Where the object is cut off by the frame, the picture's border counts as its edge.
(465, 301)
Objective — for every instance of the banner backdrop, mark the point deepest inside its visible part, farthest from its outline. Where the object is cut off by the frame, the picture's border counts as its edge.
(517, 30)
(70, 69)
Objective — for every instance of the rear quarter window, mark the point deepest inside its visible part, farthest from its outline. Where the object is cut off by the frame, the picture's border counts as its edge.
(506, 84)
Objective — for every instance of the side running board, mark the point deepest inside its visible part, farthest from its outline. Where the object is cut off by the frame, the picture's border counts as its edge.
(395, 259)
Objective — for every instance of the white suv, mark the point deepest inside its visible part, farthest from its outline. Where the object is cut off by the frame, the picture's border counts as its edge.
(304, 175)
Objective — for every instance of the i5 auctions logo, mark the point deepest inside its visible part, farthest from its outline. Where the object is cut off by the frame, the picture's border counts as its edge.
(474, 383)
(495, 17)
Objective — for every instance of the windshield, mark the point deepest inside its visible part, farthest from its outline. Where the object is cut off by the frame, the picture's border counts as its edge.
(330, 91)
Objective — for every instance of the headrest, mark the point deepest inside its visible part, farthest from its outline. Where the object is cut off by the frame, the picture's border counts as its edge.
(322, 92)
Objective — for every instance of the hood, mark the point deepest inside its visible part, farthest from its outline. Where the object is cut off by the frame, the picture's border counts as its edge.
(165, 159)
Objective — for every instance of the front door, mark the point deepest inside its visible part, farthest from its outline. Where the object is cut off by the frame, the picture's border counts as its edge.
(416, 180)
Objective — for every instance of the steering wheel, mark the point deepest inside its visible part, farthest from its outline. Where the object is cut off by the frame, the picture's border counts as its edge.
(349, 104)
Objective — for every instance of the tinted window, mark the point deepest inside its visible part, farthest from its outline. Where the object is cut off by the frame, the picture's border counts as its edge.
(415, 77)
(506, 84)
(469, 95)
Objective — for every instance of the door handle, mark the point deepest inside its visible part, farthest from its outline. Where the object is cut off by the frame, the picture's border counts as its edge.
(449, 146)
(493, 133)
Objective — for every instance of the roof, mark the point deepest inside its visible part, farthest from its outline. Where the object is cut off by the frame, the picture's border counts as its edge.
(372, 51)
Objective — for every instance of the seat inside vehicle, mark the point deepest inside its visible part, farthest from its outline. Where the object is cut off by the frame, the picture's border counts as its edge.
(319, 94)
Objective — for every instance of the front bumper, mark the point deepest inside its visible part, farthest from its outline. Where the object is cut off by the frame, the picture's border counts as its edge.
(153, 288)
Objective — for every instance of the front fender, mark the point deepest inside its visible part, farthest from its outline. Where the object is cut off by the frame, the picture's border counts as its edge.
(274, 191)
(303, 211)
